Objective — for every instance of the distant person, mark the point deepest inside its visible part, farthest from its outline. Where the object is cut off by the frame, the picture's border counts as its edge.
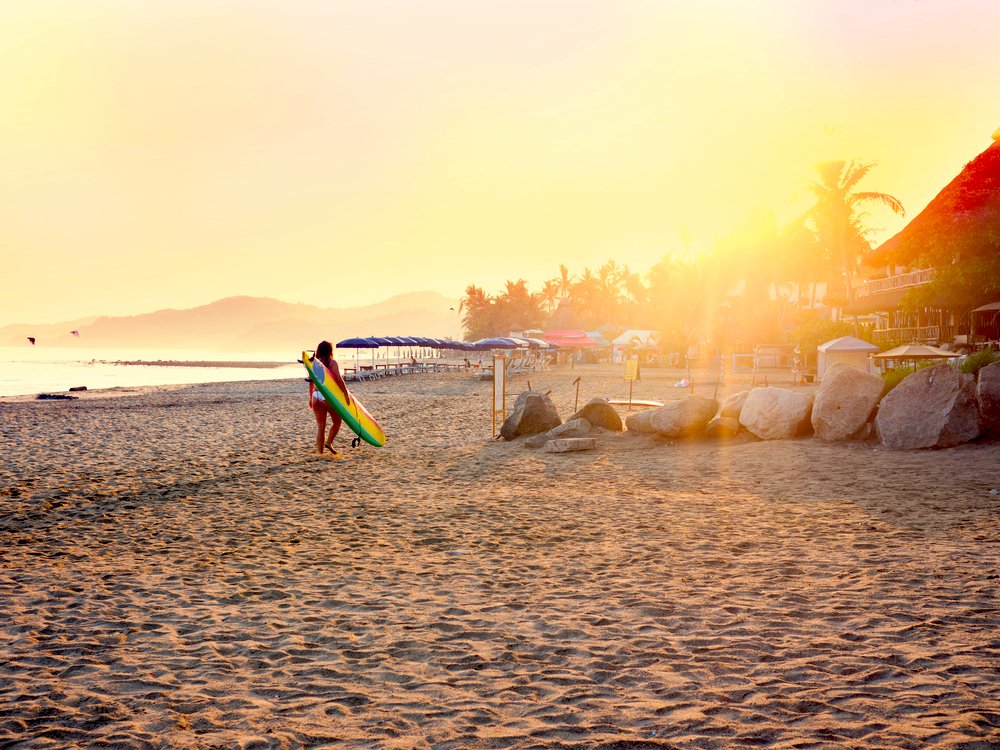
(324, 353)
(413, 361)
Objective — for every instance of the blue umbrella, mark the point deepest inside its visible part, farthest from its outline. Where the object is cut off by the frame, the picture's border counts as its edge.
(497, 342)
(381, 340)
(357, 343)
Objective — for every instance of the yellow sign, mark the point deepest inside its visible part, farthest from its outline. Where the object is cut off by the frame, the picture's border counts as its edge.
(632, 369)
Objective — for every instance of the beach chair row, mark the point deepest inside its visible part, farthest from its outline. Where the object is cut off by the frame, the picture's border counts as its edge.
(529, 363)
(379, 371)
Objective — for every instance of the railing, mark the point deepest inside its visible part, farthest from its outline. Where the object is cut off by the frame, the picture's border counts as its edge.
(899, 281)
(889, 337)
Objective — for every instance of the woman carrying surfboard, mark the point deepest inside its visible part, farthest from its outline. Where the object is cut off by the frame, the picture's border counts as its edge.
(321, 409)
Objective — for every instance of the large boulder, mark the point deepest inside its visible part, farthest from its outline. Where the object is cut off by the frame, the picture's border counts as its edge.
(640, 421)
(932, 408)
(600, 414)
(722, 427)
(733, 405)
(988, 396)
(776, 413)
(685, 418)
(845, 402)
(536, 441)
(571, 428)
(533, 413)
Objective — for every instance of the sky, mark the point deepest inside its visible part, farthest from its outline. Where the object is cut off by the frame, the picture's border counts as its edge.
(169, 153)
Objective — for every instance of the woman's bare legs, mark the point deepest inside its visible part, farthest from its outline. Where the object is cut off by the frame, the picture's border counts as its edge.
(335, 422)
(319, 411)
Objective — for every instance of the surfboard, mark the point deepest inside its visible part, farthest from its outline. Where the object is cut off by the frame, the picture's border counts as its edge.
(635, 402)
(355, 416)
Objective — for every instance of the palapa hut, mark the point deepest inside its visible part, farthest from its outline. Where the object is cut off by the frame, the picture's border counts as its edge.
(959, 226)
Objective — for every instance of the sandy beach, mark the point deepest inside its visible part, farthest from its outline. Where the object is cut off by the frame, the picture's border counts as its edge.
(178, 571)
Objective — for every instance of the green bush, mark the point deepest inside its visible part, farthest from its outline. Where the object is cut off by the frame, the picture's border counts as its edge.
(811, 334)
(976, 361)
(895, 376)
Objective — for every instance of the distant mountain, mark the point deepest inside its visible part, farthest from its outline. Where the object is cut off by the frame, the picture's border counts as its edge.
(248, 324)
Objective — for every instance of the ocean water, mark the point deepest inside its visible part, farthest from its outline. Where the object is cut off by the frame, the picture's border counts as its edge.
(26, 370)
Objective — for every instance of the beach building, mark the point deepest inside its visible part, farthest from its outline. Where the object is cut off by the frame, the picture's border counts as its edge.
(963, 220)
(847, 349)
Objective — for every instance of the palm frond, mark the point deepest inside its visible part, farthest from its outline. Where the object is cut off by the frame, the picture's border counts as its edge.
(854, 173)
(884, 199)
(829, 174)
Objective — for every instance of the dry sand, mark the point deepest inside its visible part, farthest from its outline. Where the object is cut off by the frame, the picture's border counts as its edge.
(177, 571)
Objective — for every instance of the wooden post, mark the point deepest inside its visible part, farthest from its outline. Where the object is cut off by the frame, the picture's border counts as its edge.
(499, 390)
(576, 403)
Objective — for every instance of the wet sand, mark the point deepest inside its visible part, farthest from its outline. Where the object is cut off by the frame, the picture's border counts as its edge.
(177, 571)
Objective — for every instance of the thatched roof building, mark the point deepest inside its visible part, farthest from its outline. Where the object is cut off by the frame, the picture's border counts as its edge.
(962, 221)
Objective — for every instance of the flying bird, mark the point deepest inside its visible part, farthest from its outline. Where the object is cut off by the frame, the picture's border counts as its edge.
(75, 333)
(32, 340)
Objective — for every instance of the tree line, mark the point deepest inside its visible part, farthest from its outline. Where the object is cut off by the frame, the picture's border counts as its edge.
(751, 286)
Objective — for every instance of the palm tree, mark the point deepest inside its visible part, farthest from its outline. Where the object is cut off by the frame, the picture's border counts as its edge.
(838, 217)
(564, 281)
(550, 293)
(518, 308)
(478, 307)
(585, 294)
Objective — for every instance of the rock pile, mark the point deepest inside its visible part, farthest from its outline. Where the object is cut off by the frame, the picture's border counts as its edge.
(684, 419)
(932, 408)
(845, 403)
(988, 397)
(935, 407)
(776, 413)
(600, 414)
(533, 413)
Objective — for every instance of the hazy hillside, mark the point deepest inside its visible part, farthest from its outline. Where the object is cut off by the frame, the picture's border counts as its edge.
(250, 324)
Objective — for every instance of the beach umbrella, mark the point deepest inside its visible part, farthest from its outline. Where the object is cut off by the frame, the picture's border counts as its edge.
(425, 342)
(496, 342)
(357, 343)
(395, 341)
(381, 341)
(916, 351)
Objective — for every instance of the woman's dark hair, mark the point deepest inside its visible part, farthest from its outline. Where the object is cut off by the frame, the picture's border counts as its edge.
(324, 350)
